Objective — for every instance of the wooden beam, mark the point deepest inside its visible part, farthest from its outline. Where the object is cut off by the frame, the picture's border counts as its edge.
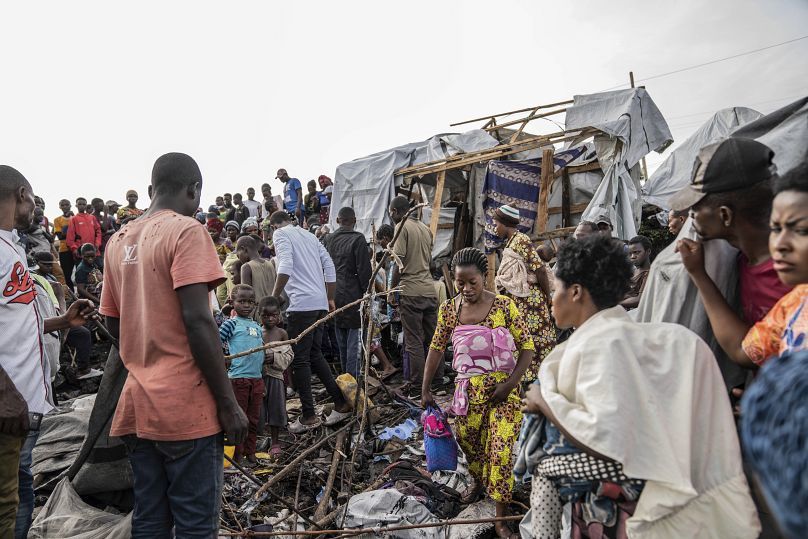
(565, 197)
(527, 119)
(518, 132)
(435, 218)
(547, 171)
(574, 208)
(492, 153)
(557, 233)
(481, 118)
(594, 165)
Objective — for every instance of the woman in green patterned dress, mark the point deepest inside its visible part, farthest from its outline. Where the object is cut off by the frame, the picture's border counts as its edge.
(532, 294)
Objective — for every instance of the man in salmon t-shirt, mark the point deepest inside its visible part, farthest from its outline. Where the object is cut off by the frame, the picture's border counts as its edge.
(177, 399)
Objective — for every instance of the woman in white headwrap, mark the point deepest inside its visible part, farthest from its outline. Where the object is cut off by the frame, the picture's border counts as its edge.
(522, 277)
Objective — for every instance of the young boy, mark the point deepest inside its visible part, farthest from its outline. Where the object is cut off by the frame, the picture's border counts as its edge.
(89, 274)
(639, 252)
(277, 360)
(243, 333)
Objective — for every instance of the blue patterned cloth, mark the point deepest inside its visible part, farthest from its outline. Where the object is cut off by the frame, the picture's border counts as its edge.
(516, 183)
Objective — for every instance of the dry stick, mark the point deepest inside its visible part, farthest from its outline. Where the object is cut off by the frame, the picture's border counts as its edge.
(371, 285)
(272, 495)
(289, 467)
(376, 531)
(232, 513)
(332, 475)
(305, 332)
(297, 493)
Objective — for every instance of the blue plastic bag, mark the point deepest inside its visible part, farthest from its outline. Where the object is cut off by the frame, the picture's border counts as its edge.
(440, 445)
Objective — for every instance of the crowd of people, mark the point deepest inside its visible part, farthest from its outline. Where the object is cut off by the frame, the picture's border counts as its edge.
(628, 422)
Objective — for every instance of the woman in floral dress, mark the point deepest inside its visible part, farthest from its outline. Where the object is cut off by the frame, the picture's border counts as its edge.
(532, 294)
(492, 349)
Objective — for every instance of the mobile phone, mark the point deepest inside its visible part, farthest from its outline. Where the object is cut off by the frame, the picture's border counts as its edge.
(34, 420)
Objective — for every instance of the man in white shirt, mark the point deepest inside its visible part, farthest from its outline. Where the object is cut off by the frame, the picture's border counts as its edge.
(252, 205)
(25, 390)
(306, 272)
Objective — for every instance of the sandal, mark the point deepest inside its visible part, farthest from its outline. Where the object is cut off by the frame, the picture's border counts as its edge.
(299, 427)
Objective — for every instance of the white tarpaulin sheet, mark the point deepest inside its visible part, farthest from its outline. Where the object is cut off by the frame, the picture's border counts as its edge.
(675, 172)
(368, 184)
(631, 126)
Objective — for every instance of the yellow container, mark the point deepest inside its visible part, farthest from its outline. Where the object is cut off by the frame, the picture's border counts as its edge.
(229, 450)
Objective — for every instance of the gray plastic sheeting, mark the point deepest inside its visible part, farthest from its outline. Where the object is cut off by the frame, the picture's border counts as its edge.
(785, 131)
(675, 172)
(368, 184)
(631, 126)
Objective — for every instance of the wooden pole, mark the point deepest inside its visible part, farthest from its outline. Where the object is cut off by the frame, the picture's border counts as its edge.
(547, 172)
(332, 474)
(565, 198)
(436, 202)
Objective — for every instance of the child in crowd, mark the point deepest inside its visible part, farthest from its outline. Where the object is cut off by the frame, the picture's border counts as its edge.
(89, 274)
(215, 228)
(277, 360)
(242, 333)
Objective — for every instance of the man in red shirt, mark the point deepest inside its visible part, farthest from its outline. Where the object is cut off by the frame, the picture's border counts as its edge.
(83, 228)
(177, 399)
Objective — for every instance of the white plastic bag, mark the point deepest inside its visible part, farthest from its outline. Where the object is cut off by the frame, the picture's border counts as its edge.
(67, 516)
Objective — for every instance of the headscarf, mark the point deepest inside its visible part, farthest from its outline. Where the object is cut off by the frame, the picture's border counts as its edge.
(507, 215)
(215, 225)
(250, 221)
(324, 181)
(234, 224)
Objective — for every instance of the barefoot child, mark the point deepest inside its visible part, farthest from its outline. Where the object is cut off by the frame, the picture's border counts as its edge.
(277, 360)
(242, 333)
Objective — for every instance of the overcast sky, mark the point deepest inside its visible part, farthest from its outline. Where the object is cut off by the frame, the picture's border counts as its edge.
(93, 92)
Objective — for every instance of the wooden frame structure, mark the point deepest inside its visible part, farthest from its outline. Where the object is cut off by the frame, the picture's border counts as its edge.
(515, 144)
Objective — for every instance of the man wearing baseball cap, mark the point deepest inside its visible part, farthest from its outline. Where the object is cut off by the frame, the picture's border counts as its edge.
(730, 199)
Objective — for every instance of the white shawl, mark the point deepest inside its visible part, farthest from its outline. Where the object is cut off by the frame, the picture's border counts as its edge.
(651, 397)
(512, 276)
